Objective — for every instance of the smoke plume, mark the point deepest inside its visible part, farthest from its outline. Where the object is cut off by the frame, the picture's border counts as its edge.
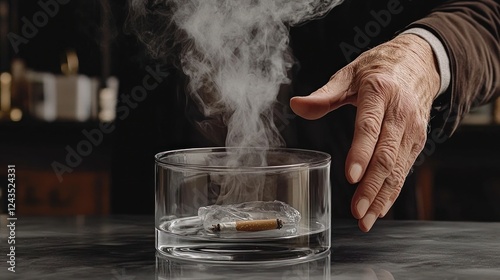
(235, 53)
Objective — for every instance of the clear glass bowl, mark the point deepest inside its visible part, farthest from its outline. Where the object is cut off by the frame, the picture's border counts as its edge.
(288, 188)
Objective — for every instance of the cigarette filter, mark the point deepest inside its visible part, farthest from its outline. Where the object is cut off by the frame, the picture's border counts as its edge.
(253, 225)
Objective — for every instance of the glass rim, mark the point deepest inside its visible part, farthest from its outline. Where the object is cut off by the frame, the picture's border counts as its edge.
(320, 159)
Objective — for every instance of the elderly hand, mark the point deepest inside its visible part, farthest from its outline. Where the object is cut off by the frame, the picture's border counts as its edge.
(393, 86)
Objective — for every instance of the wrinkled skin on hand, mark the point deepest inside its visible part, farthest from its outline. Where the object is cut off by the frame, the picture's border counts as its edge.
(393, 87)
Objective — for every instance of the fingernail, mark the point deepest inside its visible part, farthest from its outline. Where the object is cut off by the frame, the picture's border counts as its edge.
(368, 221)
(386, 209)
(362, 206)
(355, 172)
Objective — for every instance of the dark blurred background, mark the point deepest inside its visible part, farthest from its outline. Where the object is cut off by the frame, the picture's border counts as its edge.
(83, 138)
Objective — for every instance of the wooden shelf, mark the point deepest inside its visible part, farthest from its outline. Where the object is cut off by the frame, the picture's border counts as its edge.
(36, 147)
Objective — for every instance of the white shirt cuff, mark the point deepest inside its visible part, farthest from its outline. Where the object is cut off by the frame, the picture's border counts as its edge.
(440, 53)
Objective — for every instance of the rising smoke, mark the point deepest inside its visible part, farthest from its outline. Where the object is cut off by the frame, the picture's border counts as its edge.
(235, 53)
(236, 56)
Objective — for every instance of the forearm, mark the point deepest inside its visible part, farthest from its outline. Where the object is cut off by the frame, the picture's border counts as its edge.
(469, 31)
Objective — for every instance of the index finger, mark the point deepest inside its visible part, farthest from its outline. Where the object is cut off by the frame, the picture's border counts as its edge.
(372, 98)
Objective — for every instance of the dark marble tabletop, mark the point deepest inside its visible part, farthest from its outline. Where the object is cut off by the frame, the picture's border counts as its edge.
(122, 248)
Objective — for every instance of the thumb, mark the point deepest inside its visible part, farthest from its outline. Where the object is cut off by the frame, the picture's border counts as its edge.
(326, 99)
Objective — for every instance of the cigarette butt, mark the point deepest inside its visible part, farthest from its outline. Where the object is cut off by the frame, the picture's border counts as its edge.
(259, 225)
(253, 225)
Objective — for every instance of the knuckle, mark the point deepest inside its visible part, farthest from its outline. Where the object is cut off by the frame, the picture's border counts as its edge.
(378, 83)
(384, 196)
(396, 180)
(395, 195)
(384, 159)
(373, 100)
(379, 202)
(362, 153)
(399, 116)
(324, 90)
(369, 125)
(403, 110)
(370, 189)
(419, 145)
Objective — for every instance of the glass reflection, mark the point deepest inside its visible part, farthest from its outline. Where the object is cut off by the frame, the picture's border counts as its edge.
(173, 269)
(364, 272)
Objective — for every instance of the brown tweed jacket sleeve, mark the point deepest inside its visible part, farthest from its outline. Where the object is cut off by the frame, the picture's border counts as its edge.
(470, 31)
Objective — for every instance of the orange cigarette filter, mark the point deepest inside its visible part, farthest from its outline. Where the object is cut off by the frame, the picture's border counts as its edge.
(252, 225)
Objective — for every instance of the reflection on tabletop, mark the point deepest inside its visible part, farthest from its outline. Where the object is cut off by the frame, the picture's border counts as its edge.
(316, 269)
(122, 248)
